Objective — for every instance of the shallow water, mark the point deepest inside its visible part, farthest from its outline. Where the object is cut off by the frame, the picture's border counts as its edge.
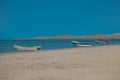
(6, 46)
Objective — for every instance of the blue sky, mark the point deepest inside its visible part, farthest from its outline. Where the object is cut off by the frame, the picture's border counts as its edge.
(31, 18)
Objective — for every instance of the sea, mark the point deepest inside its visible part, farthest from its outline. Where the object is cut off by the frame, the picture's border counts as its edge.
(6, 46)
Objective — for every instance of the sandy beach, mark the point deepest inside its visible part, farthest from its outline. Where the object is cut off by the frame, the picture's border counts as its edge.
(91, 63)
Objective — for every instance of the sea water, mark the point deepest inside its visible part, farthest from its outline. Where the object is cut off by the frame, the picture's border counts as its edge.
(6, 46)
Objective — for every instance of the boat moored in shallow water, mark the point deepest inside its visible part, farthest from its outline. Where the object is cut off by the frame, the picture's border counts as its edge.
(27, 47)
(82, 44)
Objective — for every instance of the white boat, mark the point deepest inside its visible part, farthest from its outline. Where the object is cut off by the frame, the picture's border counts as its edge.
(84, 45)
(75, 42)
(81, 44)
(26, 47)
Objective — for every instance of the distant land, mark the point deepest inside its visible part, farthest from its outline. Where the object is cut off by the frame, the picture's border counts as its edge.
(96, 36)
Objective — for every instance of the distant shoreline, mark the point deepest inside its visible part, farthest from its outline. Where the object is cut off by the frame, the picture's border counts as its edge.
(67, 39)
(96, 36)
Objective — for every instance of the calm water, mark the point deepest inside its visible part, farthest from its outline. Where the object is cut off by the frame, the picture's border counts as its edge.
(6, 46)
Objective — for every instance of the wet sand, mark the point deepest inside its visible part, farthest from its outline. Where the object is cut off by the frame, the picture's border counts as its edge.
(91, 63)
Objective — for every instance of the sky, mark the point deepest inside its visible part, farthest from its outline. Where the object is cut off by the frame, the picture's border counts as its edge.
(32, 18)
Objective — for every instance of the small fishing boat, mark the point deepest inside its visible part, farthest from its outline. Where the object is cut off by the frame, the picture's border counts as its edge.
(82, 44)
(27, 47)
(102, 41)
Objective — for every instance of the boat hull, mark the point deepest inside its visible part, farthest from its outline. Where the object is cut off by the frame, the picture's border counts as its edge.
(27, 48)
(81, 45)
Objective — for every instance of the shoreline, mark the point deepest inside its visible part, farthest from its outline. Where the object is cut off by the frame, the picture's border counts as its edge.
(58, 49)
